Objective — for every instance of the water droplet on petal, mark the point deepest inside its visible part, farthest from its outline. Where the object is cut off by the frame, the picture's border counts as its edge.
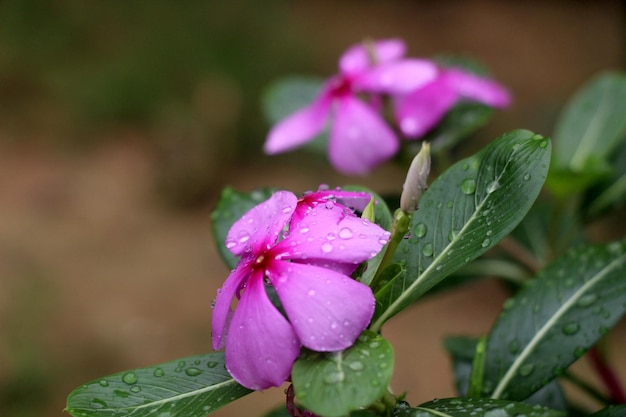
(327, 247)
(230, 244)
(311, 292)
(346, 233)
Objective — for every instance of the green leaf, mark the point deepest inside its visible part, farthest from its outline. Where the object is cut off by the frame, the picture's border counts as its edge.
(592, 123)
(613, 411)
(189, 387)
(478, 369)
(333, 384)
(462, 350)
(472, 407)
(464, 213)
(230, 207)
(555, 319)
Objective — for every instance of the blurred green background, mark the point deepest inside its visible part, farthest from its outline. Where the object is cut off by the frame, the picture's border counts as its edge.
(121, 121)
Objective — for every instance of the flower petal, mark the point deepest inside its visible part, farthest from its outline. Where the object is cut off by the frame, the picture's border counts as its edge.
(356, 200)
(262, 345)
(483, 90)
(359, 138)
(260, 227)
(332, 235)
(422, 109)
(299, 127)
(328, 310)
(222, 313)
(398, 77)
(357, 58)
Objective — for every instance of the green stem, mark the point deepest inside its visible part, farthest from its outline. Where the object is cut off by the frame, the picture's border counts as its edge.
(399, 229)
(586, 387)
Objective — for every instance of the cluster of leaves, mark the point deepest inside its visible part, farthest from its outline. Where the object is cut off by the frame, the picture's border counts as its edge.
(566, 292)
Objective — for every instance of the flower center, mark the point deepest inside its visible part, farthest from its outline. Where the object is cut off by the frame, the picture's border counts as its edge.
(342, 86)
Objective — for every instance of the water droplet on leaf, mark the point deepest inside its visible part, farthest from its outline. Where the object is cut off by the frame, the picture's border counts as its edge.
(468, 186)
(192, 371)
(420, 230)
(129, 378)
(571, 328)
(527, 369)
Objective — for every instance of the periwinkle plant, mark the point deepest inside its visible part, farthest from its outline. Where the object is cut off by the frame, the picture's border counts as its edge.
(316, 276)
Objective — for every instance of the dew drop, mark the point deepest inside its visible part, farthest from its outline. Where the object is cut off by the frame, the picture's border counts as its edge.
(375, 344)
(129, 378)
(346, 233)
(334, 377)
(543, 144)
(103, 382)
(527, 369)
(311, 292)
(420, 230)
(304, 230)
(527, 177)
(327, 247)
(514, 346)
(570, 328)
(230, 244)
(428, 250)
(286, 209)
(493, 186)
(158, 372)
(135, 389)
(356, 366)
(486, 242)
(587, 300)
(468, 186)
(192, 371)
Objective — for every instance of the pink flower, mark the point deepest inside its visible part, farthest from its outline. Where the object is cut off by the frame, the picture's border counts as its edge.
(359, 138)
(325, 310)
(419, 111)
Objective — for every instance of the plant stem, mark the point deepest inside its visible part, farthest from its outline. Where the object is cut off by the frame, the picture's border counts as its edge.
(608, 376)
(399, 229)
(520, 253)
(586, 387)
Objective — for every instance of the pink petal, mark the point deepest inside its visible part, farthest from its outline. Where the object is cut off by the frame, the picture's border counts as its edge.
(332, 235)
(359, 139)
(222, 313)
(357, 200)
(262, 345)
(483, 90)
(399, 77)
(328, 310)
(260, 227)
(299, 127)
(356, 59)
(421, 110)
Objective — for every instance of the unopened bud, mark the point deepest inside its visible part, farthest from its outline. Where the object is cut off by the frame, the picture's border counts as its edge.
(369, 211)
(415, 183)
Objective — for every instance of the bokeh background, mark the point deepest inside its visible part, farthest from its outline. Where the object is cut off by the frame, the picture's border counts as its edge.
(120, 122)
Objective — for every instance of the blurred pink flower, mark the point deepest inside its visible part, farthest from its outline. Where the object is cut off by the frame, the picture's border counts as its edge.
(326, 310)
(422, 109)
(359, 138)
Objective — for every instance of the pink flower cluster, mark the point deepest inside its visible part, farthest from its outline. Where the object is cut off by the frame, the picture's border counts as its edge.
(306, 250)
(421, 93)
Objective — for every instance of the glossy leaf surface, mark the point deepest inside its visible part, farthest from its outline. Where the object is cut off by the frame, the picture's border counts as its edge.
(464, 213)
(334, 384)
(555, 319)
(190, 387)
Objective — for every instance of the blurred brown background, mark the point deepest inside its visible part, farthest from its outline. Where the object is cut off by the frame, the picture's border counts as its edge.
(121, 121)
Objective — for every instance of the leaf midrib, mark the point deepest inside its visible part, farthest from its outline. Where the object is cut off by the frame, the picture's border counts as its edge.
(379, 322)
(517, 363)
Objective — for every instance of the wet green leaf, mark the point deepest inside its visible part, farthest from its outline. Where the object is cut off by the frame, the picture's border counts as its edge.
(472, 407)
(333, 384)
(189, 387)
(555, 319)
(464, 213)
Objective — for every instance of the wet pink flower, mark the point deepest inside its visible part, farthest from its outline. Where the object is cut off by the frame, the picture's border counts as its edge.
(325, 309)
(359, 138)
(421, 110)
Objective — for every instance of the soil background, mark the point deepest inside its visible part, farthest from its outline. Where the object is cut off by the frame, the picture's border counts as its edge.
(106, 257)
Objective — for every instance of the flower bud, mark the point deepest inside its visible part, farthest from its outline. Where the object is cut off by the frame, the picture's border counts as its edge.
(415, 183)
